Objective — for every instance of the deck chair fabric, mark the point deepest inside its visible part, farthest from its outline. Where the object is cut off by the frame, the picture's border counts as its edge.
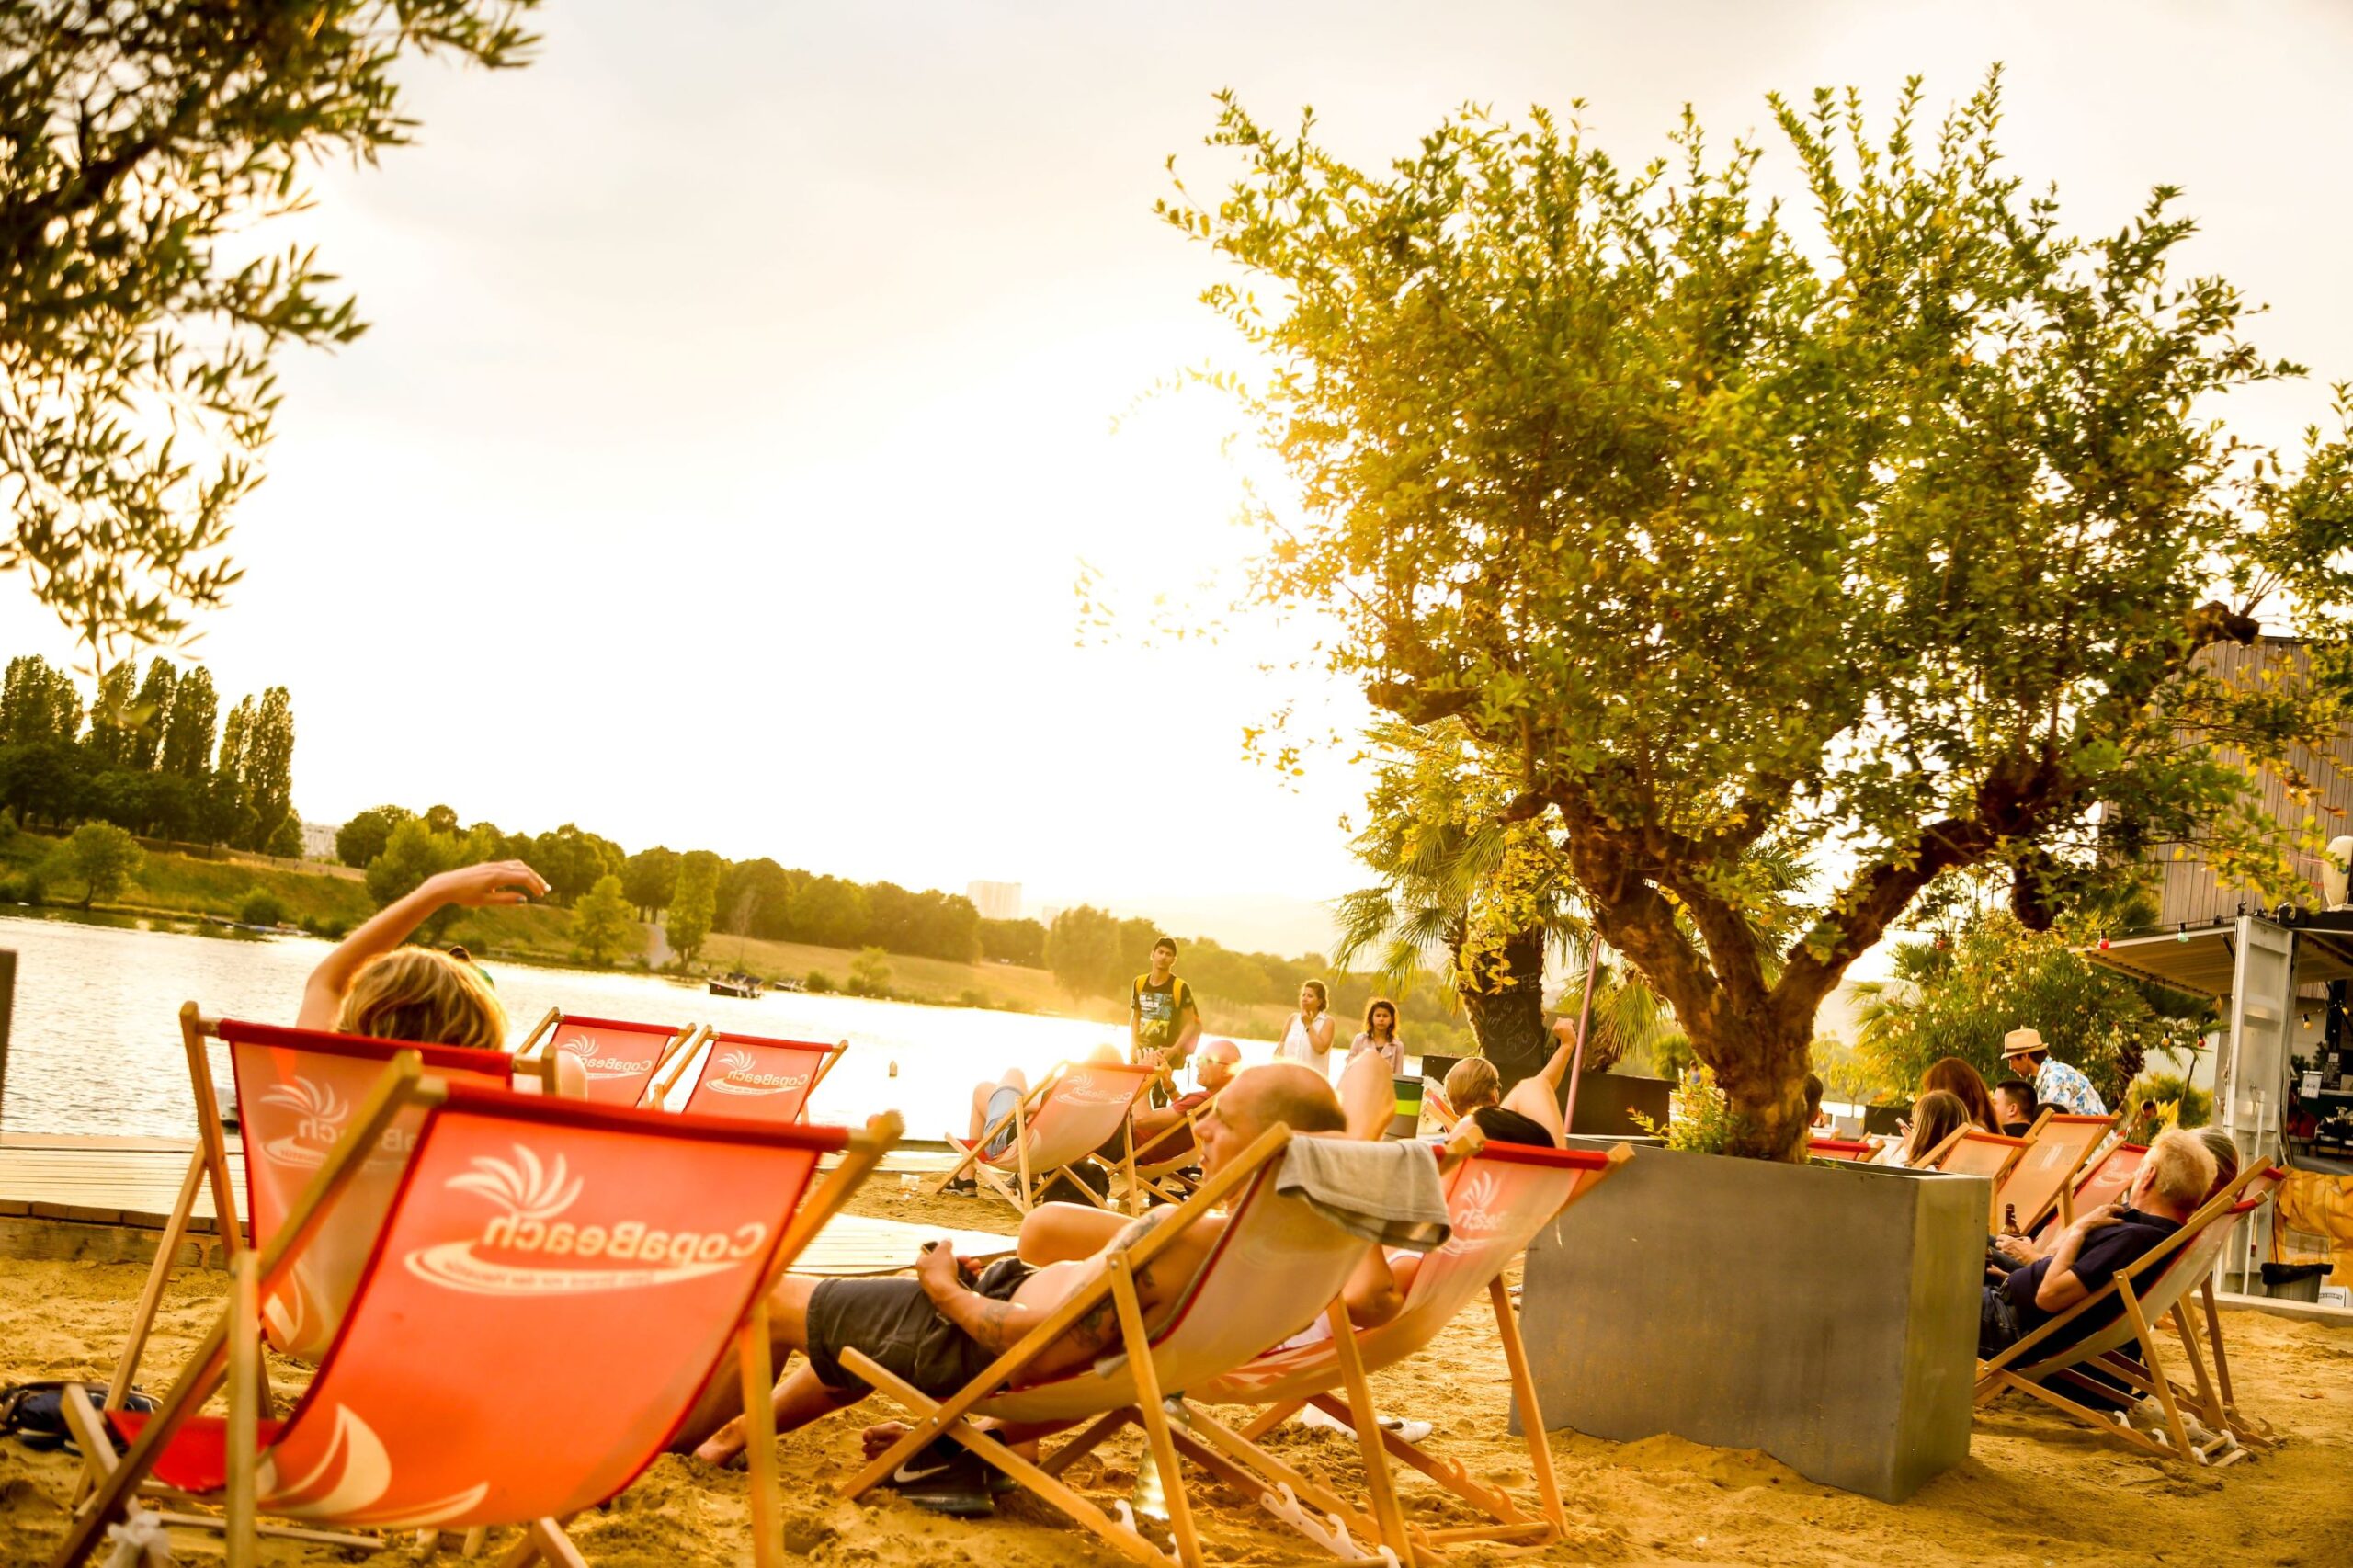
(618, 1058)
(2121, 1316)
(2103, 1180)
(1075, 1111)
(1162, 1162)
(757, 1078)
(296, 1092)
(1856, 1150)
(1974, 1152)
(2042, 1180)
(1497, 1201)
(473, 1380)
(1275, 1267)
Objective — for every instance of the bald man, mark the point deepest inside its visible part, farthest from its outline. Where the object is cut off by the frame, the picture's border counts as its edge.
(942, 1328)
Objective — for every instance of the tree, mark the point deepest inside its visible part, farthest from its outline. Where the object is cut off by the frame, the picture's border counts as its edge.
(270, 767)
(695, 903)
(39, 702)
(829, 911)
(602, 922)
(101, 856)
(413, 852)
(362, 838)
(188, 733)
(112, 723)
(285, 840)
(869, 973)
(1013, 941)
(1899, 536)
(152, 707)
(650, 877)
(572, 860)
(1082, 952)
(141, 138)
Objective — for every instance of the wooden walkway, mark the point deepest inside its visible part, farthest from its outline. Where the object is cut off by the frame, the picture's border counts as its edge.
(98, 1198)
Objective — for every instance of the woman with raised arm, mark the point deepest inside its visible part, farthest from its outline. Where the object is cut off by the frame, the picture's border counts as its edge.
(372, 985)
(1307, 1038)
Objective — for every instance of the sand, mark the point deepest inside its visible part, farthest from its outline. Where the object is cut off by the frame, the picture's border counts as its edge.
(2036, 1490)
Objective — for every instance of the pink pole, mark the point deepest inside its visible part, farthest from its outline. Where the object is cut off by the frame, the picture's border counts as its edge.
(1585, 1017)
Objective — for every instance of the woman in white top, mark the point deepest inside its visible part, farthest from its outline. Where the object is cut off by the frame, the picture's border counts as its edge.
(1380, 1034)
(1307, 1039)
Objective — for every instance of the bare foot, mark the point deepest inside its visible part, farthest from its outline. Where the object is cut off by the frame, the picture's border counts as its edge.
(879, 1437)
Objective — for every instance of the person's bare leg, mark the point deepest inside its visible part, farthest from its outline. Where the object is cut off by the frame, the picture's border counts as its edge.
(1064, 1232)
(1539, 1099)
(1368, 1096)
(722, 1397)
(798, 1400)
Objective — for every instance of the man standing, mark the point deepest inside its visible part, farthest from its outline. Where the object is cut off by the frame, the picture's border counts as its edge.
(1162, 1022)
(2055, 1082)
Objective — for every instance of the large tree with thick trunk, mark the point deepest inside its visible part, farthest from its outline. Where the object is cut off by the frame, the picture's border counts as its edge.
(1891, 529)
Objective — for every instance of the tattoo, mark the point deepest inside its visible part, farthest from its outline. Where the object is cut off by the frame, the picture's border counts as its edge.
(991, 1332)
(1096, 1327)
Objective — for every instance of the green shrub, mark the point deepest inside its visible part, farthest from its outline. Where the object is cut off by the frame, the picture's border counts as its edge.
(970, 998)
(820, 982)
(1703, 1123)
(262, 907)
(34, 889)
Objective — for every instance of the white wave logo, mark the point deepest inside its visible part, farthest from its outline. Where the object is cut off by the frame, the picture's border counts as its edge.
(738, 1078)
(533, 1195)
(1088, 1089)
(348, 1481)
(1475, 1214)
(319, 1115)
(584, 1046)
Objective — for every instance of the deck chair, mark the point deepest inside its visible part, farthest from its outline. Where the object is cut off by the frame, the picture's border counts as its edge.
(619, 1059)
(2043, 1181)
(1974, 1152)
(1163, 1159)
(474, 1380)
(1274, 1268)
(1497, 1200)
(1854, 1150)
(749, 1075)
(2153, 1287)
(2102, 1180)
(297, 1090)
(1075, 1110)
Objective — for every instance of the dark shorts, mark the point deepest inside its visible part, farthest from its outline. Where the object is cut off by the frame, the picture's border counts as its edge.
(894, 1321)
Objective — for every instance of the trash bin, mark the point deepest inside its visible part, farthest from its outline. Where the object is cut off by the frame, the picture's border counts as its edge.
(2294, 1281)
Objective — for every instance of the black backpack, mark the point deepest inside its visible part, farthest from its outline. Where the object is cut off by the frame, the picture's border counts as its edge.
(34, 1413)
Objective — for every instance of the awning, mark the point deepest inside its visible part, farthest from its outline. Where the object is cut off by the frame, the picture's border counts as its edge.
(2203, 963)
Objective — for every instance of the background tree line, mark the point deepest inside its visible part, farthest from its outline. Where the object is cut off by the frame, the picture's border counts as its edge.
(150, 756)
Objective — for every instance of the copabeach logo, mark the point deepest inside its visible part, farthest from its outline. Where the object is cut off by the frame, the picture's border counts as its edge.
(1093, 1086)
(739, 1075)
(585, 1046)
(312, 1125)
(1475, 1214)
(527, 1249)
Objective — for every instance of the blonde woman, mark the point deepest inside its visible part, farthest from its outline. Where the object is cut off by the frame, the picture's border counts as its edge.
(372, 985)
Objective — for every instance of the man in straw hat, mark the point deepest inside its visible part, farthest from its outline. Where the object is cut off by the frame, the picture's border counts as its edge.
(2055, 1082)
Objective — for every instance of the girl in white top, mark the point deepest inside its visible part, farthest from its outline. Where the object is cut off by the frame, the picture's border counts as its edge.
(1307, 1039)
(1380, 1034)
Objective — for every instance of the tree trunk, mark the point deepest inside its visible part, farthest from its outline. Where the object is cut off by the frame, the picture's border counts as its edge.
(1504, 996)
(1761, 1068)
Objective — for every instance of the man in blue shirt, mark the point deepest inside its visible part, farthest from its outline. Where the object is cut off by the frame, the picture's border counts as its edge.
(2055, 1082)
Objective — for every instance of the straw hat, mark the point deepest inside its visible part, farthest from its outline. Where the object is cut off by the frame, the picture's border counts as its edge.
(2021, 1042)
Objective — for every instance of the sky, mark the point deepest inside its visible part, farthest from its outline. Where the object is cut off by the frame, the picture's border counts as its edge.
(749, 385)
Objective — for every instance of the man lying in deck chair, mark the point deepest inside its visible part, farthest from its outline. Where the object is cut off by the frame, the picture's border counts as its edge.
(944, 1327)
(2168, 1188)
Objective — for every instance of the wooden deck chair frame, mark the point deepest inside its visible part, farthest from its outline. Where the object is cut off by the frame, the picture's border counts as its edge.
(659, 1088)
(208, 1166)
(2001, 1374)
(1352, 1404)
(2016, 1148)
(1024, 1191)
(2063, 1201)
(230, 1351)
(1166, 1180)
(542, 1037)
(1202, 1442)
(1852, 1150)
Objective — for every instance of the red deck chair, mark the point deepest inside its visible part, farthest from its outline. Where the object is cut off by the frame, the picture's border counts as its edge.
(296, 1092)
(475, 1380)
(750, 1076)
(2125, 1348)
(1974, 1152)
(2044, 1178)
(1497, 1200)
(1075, 1110)
(1858, 1151)
(2104, 1180)
(618, 1058)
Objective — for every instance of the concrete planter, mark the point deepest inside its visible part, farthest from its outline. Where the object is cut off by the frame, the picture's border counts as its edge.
(1826, 1315)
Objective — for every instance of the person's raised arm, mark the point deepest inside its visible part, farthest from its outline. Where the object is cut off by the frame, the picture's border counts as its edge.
(475, 887)
(1539, 1098)
(2060, 1287)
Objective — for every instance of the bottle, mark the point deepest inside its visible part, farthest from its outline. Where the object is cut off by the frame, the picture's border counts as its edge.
(2009, 1218)
(1150, 1497)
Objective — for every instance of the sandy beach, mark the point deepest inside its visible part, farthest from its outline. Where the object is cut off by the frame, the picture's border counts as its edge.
(2035, 1490)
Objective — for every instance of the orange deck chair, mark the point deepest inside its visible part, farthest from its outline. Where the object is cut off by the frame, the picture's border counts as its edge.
(2043, 1180)
(1972, 1151)
(749, 1075)
(2153, 1287)
(1858, 1151)
(1163, 1159)
(2103, 1180)
(529, 1236)
(296, 1092)
(618, 1058)
(1073, 1110)
(1497, 1200)
(1274, 1267)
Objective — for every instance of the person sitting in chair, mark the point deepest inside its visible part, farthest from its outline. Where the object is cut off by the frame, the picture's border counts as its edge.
(1214, 1065)
(2015, 1103)
(1531, 1112)
(2173, 1180)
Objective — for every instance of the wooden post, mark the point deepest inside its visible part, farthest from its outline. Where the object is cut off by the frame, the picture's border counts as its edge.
(244, 1385)
(1155, 1414)
(7, 1013)
(759, 1421)
(1531, 1417)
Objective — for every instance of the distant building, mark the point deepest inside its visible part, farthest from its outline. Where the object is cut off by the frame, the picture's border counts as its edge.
(995, 901)
(318, 840)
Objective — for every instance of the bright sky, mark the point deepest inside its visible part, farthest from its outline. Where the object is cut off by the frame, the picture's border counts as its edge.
(739, 402)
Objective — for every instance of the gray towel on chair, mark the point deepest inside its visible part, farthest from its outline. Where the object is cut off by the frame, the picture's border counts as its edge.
(1385, 1192)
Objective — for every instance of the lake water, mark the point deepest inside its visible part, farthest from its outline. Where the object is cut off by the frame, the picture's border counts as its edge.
(95, 1046)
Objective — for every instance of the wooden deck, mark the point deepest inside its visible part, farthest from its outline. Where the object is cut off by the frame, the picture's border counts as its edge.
(104, 1199)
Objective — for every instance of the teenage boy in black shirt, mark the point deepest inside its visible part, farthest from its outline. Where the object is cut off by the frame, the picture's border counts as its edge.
(1162, 1021)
